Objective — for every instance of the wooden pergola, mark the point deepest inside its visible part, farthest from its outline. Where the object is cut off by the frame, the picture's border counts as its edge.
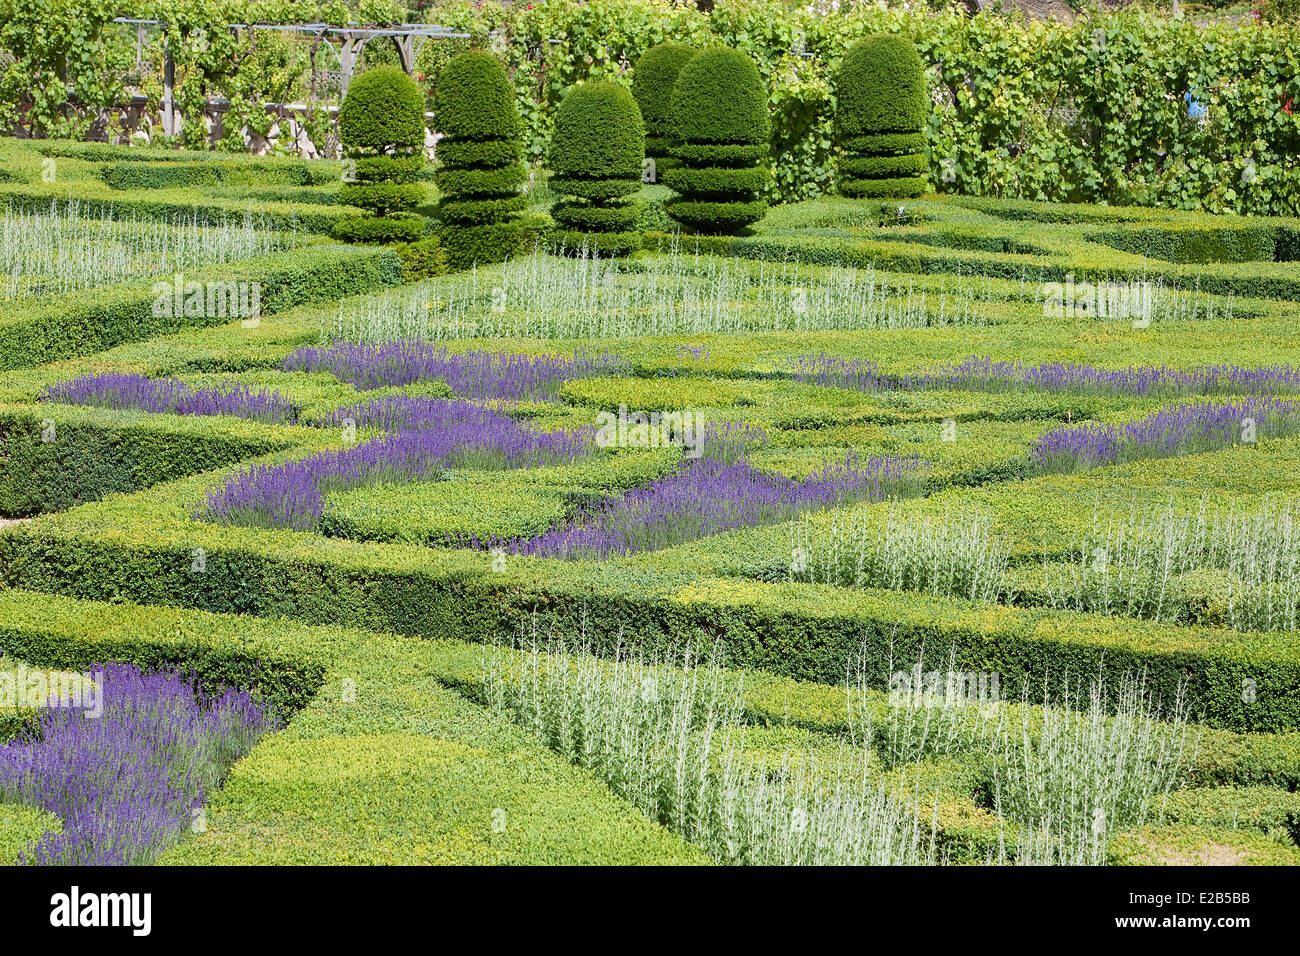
(346, 42)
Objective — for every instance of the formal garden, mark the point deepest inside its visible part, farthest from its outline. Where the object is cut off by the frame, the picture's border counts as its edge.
(646, 435)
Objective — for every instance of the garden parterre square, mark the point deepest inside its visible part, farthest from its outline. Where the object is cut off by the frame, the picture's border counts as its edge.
(610, 472)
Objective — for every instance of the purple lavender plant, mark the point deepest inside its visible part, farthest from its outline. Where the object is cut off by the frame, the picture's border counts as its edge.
(707, 497)
(985, 374)
(435, 435)
(129, 390)
(126, 783)
(479, 375)
(729, 442)
(1182, 429)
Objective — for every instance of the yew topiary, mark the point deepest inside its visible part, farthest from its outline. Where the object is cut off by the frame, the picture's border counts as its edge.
(722, 135)
(595, 159)
(653, 79)
(381, 125)
(879, 119)
(480, 161)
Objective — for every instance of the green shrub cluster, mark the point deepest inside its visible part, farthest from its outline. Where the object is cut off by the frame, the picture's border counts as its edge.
(85, 322)
(126, 174)
(722, 133)
(880, 113)
(422, 259)
(596, 154)
(653, 79)
(381, 125)
(20, 826)
(480, 168)
(59, 456)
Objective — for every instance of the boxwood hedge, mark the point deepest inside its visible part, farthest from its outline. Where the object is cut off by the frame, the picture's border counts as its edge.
(97, 319)
(381, 125)
(880, 114)
(653, 79)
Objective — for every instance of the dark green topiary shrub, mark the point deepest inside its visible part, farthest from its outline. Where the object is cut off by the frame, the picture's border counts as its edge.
(722, 136)
(381, 124)
(480, 161)
(595, 160)
(653, 80)
(879, 118)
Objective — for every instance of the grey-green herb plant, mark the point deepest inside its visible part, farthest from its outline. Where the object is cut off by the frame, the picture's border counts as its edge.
(658, 736)
(585, 296)
(902, 547)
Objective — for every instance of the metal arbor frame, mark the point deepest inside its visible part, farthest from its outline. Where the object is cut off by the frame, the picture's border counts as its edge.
(351, 40)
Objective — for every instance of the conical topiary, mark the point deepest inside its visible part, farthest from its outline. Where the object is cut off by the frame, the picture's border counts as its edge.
(722, 135)
(595, 160)
(653, 79)
(381, 125)
(480, 161)
(880, 118)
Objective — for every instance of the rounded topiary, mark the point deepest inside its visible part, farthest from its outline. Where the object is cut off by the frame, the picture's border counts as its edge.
(653, 79)
(381, 125)
(595, 159)
(382, 113)
(721, 134)
(879, 118)
(480, 161)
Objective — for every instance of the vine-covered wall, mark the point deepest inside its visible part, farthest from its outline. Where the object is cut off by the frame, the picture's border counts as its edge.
(1120, 108)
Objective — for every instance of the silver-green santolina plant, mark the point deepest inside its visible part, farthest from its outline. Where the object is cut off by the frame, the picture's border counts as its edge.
(658, 735)
(62, 250)
(667, 735)
(1073, 778)
(1237, 566)
(587, 296)
(950, 554)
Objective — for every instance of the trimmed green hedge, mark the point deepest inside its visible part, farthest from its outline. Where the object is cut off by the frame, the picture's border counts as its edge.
(1006, 239)
(880, 117)
(167, 205)
(127, 175)
(796, 630)
(1269, 810)
(1209, 243)
(281, 662)
(58, 456)
(598, 147)
(382, 114)
(721, 135)
(1198, 846)
(381, 125)
(101, 318)
(382, 230)
(21, 825)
